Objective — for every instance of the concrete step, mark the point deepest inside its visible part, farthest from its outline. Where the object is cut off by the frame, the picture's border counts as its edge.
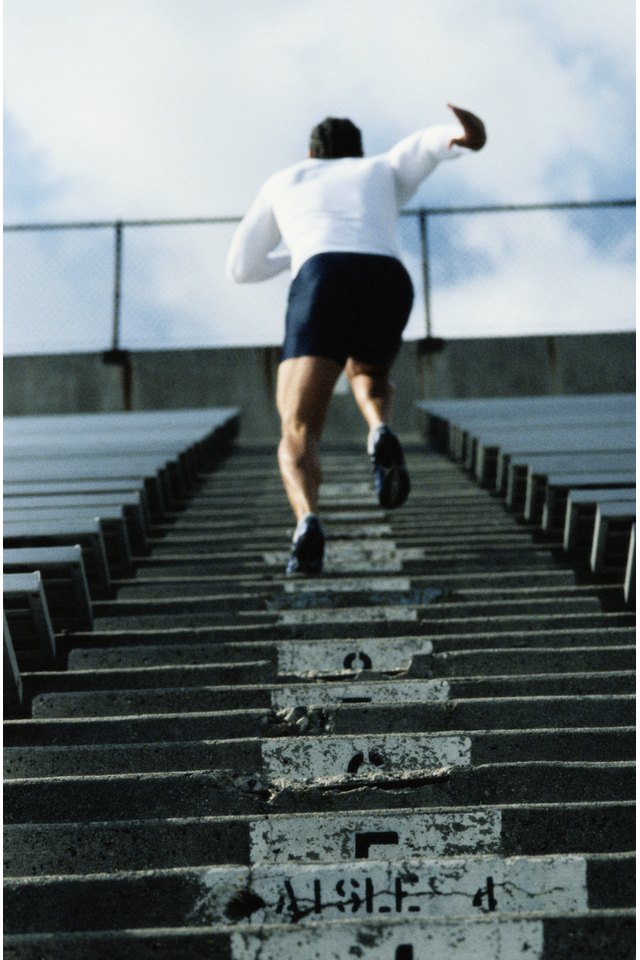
(476, 714)
(145, 648)
(368, 688)
(447, 695)
(178, 699)
(594, 933)
(517, 830)
(222, 792)
(193, 570)
(528, 662)
(354, 621)
(254, 755)
(226, 895)
(442, 604)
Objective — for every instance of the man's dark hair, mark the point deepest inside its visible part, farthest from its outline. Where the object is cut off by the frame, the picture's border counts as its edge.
(334, 138)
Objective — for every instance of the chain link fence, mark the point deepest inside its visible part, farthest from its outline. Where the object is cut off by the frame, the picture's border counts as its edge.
(477, 272)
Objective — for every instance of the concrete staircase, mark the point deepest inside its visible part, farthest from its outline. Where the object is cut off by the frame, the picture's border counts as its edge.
(426, 753)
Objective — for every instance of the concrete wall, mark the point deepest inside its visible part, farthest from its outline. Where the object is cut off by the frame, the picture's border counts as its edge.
(245, 377)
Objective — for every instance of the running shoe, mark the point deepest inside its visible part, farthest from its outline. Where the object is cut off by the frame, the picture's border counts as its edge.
(307, 548)
(390, 476)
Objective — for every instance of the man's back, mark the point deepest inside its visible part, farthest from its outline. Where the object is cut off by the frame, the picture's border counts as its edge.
(345, 205)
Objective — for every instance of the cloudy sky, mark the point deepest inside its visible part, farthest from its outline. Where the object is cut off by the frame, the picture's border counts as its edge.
(127, 109)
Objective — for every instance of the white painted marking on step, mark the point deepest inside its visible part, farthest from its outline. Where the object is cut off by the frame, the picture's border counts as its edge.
(307, 758)
(389, 836)
(336, 490)
(364, 530)
(413, 553)
(391, 691)
(351, 516)
(373, 555)
(349, 549)
(408, 940)
(299, 658)
(403, 614)
(451, 887)
(346, 585)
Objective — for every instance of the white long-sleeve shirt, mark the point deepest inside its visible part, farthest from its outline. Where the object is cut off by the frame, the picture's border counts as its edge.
(345, 205)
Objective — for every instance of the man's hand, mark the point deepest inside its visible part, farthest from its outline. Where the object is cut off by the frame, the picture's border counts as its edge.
(475, 135)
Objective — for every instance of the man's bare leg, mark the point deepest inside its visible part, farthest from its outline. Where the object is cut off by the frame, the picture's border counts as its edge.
(373, 392)
(304, 390)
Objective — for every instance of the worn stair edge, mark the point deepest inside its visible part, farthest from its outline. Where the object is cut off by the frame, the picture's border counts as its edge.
(516, 830)
(209, 793)
(589, 936)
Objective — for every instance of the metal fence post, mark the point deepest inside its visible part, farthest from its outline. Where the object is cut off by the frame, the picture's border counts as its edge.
(426, 280)
(117, 286)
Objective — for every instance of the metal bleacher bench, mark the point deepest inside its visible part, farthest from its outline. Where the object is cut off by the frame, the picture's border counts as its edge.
(64, 504)
(12, 688)
(112, 522)
(81, 493)
(57, 533)
(139, 470)
(64, 581)
(27, 614)
(548, 506)
(564, 464)
(580, 513)
(526, 480)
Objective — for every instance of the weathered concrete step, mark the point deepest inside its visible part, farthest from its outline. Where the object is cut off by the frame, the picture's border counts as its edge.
(95, 681)
(251, 542)
(172, 597)
(564, 589)
(220, 792)
(274, 517)
(122, 649)
(305, 893)
(441, 604)
(533, 660)
(478, 664)
(354, 621)
(257, 757)
(369, 688)
(338, 557)
(543, 685)
(594, 934)
(507, 713)
(518, 830)
(197, 567)
(269, 512)
(380, 687)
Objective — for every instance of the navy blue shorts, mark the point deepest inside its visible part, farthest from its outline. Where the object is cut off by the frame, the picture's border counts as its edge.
(345, 305)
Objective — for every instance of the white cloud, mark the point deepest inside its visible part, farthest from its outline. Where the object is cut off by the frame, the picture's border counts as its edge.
(155, 108)
(544, 278)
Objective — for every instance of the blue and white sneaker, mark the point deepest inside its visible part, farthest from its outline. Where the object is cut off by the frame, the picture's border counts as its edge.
(390, 475)
(307, 548)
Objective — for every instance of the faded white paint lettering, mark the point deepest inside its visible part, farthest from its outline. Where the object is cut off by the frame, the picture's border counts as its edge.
(347, 585)
(403, 614)
(391, 691)
(454, 887)
(303, 758)
(400, 940)
(377, 836)
(334, 656)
